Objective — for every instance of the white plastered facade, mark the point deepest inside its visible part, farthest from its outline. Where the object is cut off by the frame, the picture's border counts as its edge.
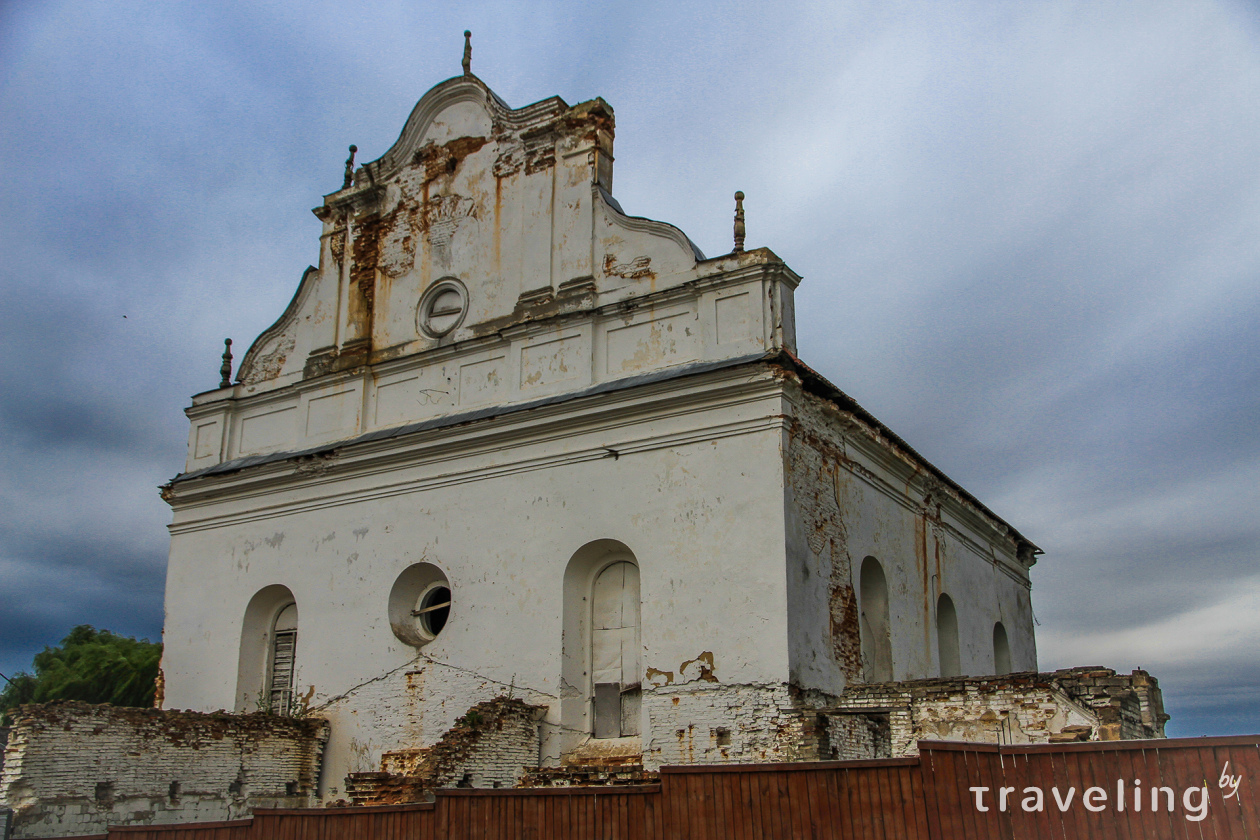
(590, 390)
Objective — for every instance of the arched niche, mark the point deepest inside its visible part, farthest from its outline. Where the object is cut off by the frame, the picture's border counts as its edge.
(272, 610)
(876, 628)
(601, 662)
(1001, 650)
(947, 637)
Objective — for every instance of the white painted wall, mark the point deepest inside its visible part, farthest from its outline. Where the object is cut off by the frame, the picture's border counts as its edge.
(687, 494)
(852, 496)
(611, 368)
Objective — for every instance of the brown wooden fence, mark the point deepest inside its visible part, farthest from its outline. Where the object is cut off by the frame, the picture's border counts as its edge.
(924, 798)
(1179, 781)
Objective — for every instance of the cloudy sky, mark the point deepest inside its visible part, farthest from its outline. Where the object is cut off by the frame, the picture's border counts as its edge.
(1030, 237)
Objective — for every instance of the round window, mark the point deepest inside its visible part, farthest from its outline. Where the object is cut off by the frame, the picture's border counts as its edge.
(442, 308)
(432, 609)
(419, 604)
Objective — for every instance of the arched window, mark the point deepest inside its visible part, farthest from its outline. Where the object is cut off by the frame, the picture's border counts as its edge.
(615, 650)
(875, 626)
(947, 636)
(1001, 650)
(601, 662)
(266, 669)
(283, 653)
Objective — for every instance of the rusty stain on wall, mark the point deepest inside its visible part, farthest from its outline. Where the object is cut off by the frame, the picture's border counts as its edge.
(817, 467)
(439, 161)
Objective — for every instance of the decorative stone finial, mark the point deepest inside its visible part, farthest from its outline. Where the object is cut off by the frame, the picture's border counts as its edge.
(467, 52)
(225, 372)
(739, 222)
(350, 168)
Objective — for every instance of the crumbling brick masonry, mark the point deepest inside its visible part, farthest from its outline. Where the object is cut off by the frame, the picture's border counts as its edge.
(884, 720)
(490, 746)
(75, 769)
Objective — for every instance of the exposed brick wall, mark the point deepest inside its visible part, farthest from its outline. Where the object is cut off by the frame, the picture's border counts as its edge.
(857, 736)
(714, 723)
(490, 746)
(1094, 704)
(1128, 706)
(73, 768)
(814, 460)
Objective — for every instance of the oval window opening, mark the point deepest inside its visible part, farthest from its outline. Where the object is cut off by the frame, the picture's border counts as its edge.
(442, 308)
(433, 609)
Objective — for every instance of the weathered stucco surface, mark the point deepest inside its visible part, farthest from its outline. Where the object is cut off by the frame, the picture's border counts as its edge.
(852, 494)
(501, 519)
(492, 745)
(495, 387)
(498, 381)
(551, 287)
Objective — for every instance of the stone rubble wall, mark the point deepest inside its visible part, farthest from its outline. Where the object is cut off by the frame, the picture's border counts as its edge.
(75, 769)
(885, 720)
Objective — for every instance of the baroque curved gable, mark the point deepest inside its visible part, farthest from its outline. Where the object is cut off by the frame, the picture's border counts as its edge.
(482, 261)
(266, 357)
(513, 205)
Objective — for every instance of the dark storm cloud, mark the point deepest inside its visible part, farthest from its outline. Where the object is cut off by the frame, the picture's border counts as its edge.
(1030, 235)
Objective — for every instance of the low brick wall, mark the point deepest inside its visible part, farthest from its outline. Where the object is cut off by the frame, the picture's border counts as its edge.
(884, 720)
(75, 769)
(491, 746)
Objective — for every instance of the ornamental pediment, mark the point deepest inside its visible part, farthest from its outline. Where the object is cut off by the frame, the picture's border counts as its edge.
(483, 261)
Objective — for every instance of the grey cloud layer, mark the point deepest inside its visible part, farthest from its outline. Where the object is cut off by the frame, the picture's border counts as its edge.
(1030, 235)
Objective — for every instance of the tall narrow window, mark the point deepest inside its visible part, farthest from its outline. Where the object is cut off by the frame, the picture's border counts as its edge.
(283, 651)
(947, 637)
(600, 644)
(875, 626)
(615, 650)
(266, 657)
(1001, 650)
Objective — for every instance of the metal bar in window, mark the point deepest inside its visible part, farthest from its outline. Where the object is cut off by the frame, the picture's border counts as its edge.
(431, 609)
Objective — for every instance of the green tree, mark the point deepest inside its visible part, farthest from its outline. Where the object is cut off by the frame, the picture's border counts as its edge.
(95, 666)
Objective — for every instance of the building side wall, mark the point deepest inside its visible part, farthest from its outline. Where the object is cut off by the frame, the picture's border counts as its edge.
(694, 498)
(850, 496)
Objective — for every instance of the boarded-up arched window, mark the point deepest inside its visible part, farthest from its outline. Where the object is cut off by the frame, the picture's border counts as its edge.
(875, 626)
(283, 653)
(615, 650)
(266, 668)
(1001, 650)
(947, 636)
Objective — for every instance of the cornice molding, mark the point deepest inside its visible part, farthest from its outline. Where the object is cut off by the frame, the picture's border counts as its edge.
(610, 413)
(905, 481)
